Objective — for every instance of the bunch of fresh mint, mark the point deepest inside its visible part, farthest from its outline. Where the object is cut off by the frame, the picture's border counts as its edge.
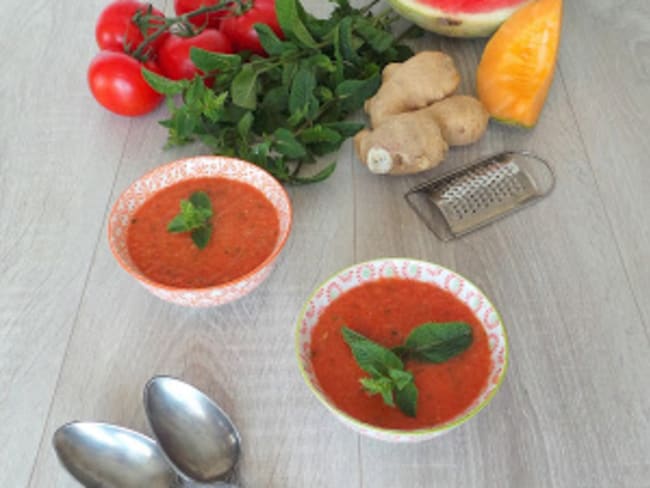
(286, 110)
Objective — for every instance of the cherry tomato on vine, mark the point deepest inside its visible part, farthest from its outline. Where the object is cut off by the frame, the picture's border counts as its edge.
(174, 54)
(240, 29)
(210, 20)
(116, 82)
(115, 29)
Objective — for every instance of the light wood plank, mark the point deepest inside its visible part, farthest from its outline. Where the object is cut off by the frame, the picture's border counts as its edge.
(58, 158)
(610, 96)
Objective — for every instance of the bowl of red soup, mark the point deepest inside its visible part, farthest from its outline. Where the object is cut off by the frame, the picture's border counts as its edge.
(201, 231)
(401, 350)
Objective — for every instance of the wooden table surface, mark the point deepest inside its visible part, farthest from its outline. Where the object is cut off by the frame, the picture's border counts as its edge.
(571, 276)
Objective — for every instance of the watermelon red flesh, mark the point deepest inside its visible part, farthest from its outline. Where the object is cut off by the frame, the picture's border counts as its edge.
(470, 6)
(458, 18)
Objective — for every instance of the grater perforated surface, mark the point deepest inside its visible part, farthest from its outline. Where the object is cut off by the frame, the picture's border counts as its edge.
(469, 198)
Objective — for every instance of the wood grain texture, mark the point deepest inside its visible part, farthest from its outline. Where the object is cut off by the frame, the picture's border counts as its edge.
(79, 338)
(58, 161)
(611, 95)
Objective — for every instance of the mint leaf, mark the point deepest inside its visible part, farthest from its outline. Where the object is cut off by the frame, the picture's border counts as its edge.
(163, 85)
(244, 125)
(355, 92)
(270, 42)
(400, 378)
(345, 128)
(181, 125)
(406, 399)
(201, 236)
(244, 88)
(276, 99)
(209, 61)
(382, 386)
(177, 225)
(292, 25)
(321, 61)
(201, 200)
(320, 176)
(301, 95)
(289, 71)
(436, 343)
(323, 148)
(213, 104)
(195, 94)
(371, 357)
(378, 39)
(287, 144)
(319, 133)
(323, 93)
(347, 44)
(191, 214)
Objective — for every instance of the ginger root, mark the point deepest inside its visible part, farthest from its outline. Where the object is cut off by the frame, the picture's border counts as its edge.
(462, 119)
(414, 119)
(423, 79)
(396, 148)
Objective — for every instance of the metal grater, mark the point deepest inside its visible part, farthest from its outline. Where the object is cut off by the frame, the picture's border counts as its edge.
(466, 199)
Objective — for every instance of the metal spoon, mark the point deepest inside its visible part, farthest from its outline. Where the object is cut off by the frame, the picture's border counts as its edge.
(108, 456)
(195, 434)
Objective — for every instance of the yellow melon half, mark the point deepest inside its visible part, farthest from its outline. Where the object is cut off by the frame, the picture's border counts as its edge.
(517, 67)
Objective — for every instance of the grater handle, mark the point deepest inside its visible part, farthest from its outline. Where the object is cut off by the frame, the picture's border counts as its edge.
(538, 168)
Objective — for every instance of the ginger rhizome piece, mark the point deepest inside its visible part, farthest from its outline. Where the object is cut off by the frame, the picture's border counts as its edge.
(462, 119)
(423, 79)
(414, 119)
(404, 143)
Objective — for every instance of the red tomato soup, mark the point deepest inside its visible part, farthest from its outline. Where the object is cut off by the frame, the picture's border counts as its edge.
(245, 229)
(386, 311)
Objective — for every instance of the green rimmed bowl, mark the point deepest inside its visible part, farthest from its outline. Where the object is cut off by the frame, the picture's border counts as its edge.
(411, 269)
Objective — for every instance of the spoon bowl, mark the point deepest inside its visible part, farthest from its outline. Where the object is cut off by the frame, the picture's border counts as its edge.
(99, 454)
(195, 434)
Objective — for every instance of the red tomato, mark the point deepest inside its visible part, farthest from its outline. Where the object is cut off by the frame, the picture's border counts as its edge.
(240, 29)
(174, 54)
(212, 19)
(115, 29)
(116, 82)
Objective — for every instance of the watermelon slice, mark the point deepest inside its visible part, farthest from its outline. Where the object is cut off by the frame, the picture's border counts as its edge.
(458, 18)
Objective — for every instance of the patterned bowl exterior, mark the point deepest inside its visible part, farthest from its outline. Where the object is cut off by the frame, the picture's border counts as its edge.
(425, 272)
(198, 167)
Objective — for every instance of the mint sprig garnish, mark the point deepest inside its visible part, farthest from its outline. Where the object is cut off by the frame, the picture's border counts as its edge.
(194, 217)
(387, 374)
(430, 342)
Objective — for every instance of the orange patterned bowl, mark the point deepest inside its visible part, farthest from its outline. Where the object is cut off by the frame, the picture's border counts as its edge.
(198, 167)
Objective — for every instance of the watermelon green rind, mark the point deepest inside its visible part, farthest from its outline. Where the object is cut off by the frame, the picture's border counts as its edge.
(456, 24)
